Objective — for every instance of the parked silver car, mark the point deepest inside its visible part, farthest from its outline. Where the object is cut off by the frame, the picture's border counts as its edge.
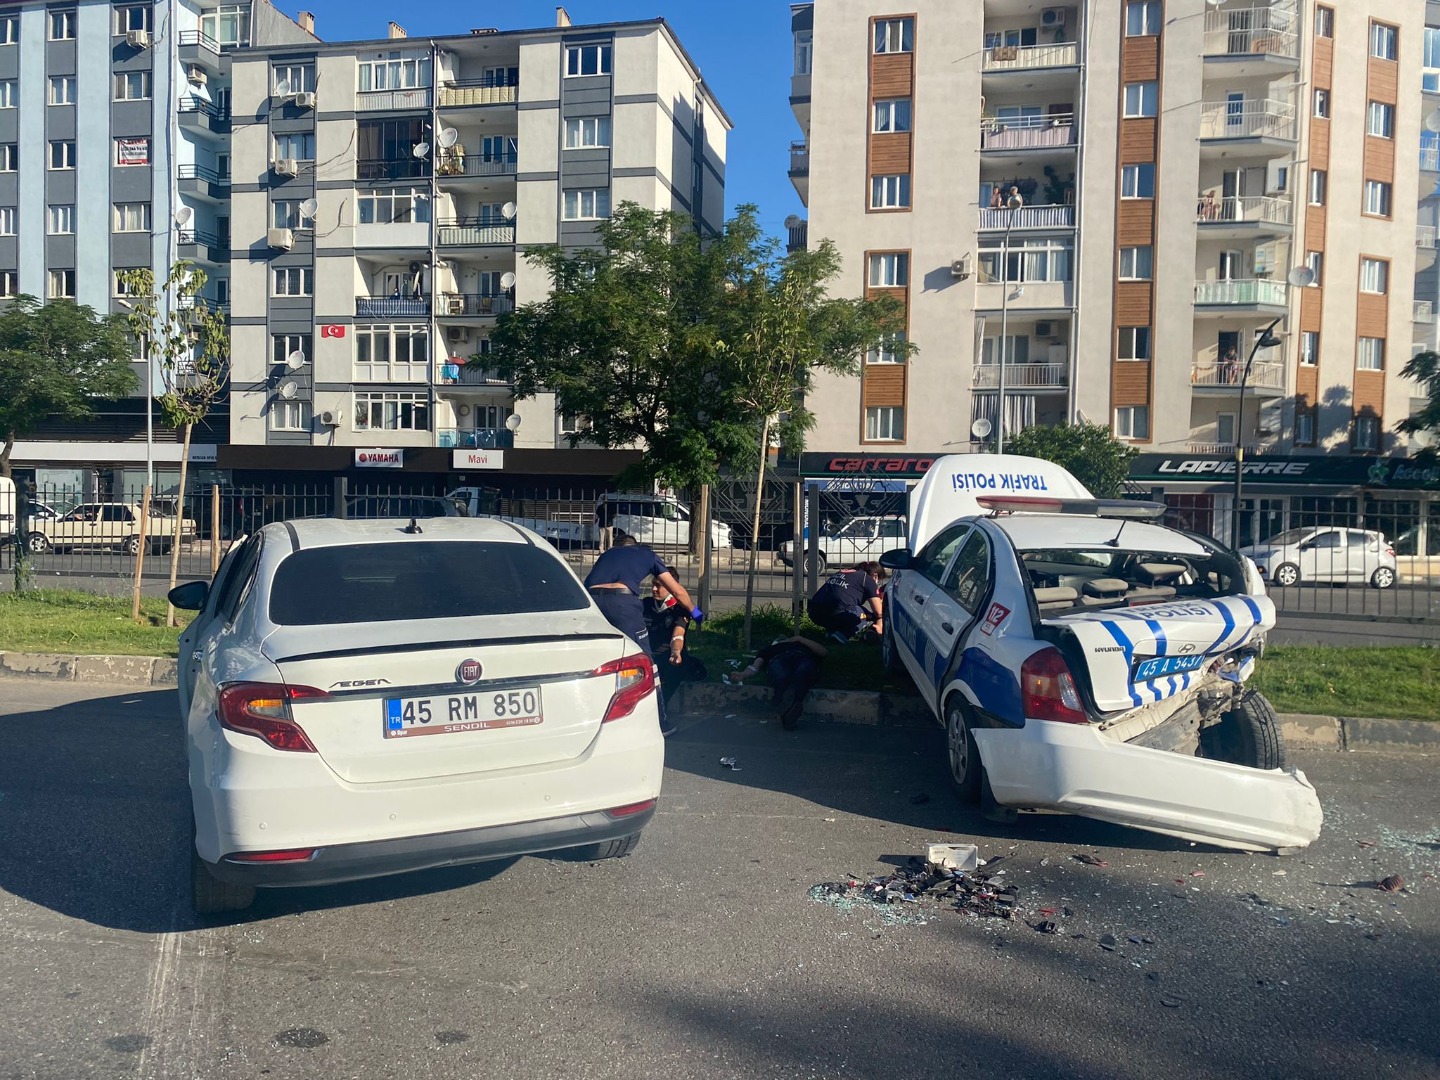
(1326, 554)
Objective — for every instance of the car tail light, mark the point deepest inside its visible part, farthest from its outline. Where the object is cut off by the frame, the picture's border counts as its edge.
(300, 854)
(634, 678)
(263, 710)
(632, 809)
(1047, 689)
(1390, 550)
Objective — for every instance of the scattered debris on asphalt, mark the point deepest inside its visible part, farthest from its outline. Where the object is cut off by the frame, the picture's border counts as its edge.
(729, 763)
(952, 856)
(1089, 860)
(1393, 883)
(974, 894)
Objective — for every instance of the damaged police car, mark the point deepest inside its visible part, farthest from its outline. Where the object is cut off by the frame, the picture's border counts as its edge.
(1084, 658)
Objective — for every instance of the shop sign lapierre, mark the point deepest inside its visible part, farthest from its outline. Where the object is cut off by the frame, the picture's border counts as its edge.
(379, 459)
(1398, 473)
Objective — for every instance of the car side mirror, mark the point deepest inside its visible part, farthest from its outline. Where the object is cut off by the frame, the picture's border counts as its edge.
(897, 559)
(1309, 545)
(191, 596)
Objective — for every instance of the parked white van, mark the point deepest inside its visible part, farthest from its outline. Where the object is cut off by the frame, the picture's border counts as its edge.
(657, 520)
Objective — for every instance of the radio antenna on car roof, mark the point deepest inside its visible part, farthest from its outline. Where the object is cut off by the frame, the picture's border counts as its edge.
(412, 528)
(1114, 541)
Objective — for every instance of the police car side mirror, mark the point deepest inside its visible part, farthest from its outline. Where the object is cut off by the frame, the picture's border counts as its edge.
(897, 559)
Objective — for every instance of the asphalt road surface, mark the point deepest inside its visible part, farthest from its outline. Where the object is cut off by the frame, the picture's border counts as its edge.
(703, 955)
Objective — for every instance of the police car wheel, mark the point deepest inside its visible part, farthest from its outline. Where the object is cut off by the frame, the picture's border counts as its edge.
(889, 655)
(964, 756)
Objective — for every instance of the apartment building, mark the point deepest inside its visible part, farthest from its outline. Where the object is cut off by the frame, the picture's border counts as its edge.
(1117, 198)
(382, 196)
(1427, 270)
(114, 130)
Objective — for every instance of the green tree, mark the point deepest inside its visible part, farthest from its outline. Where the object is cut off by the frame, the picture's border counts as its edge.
(57, 360)
(1424, 368)
(1088, 451)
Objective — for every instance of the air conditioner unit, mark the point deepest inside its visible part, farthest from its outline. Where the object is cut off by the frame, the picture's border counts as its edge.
(137, 39)
(304, 100)
(960, 268)
(332, 417)
(1043, 329)
(1054, 17)
(280, 239)
(285, 167)
(456, 333)
(196, 75)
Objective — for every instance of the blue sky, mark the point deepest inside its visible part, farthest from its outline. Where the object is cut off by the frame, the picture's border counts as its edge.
(743, 48)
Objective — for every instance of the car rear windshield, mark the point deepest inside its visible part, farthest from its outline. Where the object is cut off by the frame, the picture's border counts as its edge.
(429, 579)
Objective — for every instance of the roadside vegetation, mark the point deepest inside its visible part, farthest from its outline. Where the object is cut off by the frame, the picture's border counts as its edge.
(62, 621)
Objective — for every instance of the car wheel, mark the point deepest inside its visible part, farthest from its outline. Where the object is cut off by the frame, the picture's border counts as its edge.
(1383, 578)
(1249, 734)
(211, 896)
(889, 651)
(818, 561)
(606, 849)
(963, 754)
(131, 546)
(1286, 574)
(37, 543)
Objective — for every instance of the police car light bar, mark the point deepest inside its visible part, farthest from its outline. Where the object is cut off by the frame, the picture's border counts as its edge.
(1108, 508)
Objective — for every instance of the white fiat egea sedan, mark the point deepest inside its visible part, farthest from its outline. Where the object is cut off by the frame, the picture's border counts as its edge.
(363, 698)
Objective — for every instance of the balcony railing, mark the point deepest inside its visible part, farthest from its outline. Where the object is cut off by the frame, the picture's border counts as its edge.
(406, 168)
(1243, 209)
(1268, 30)
(1430, 159)
(197, 238)
(461, 233)
(799, 159)
(475, 438)
(1020, 57)
(201, 172)
(1027, 133)
(456, 374)
(1424, 311)
(1263, 375)
(200, 38)
(1021, 376)
(798, 236)
(1241, 293)
(190, 105)
(1425, 236)
(1028, 217)
(459, 305)
(1258, 118)
(392, 307)
(415, 97)
(456, 162)
(1228, 449)
(455, 95)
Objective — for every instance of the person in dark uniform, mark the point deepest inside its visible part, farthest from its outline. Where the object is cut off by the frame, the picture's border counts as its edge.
(792, 666)
(615, 582)
(850, 600)
(667, 621)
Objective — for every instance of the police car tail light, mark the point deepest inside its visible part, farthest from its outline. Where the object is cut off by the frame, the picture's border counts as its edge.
(263, 710)
(1047, 689)
(634, 678)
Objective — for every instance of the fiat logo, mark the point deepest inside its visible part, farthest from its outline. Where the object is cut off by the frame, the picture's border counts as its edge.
(468, 672)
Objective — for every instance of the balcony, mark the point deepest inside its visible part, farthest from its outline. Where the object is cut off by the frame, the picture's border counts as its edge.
(800, 170)
(202, 182)
(462, 95)
(473, 305)
(1265, 377)
(1264, 120)
(456, 163)
(1021, 377)
(798, 236)
(1027, 133)
(1424, 312)
(1430, 159)
(409, 99)
(197, 47)
(202, 116)
(1028, 217)
(1228, 449)
(392, 307)
(198, 246)
(1244, 41)
(1424, 236)
(406, 168)
(453, 374)
(1029, 57)
(1242, 293)
(459, 232)
(1238, 216)
(475, 438)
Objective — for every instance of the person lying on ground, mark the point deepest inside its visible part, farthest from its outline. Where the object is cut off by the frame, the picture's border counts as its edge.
(792, 667)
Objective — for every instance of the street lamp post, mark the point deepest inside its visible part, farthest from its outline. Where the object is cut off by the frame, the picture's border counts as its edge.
(1013, 204)
(1266, 340)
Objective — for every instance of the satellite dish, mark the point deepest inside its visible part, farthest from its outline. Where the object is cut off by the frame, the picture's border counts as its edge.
(794, 221)
(1432, 121)
(183, 216)
(287, 390)
(421, 150)
(416, 266)
(508, 210)
(513, 421)
(981, 428)
(295, 361)
(1213, 3)
(308, 208)
(448, 137)
(282, 88)
(507, 280)
(1301, 277)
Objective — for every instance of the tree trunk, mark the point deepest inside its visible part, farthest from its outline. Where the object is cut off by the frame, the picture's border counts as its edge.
(5, 453)
(179, 521)
(755, 526)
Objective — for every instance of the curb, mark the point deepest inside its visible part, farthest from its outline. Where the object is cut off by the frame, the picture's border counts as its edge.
(863, 707)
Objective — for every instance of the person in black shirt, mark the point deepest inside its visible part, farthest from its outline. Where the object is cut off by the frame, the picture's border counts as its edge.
(667, 621)
(792, 666)
(615, 582)
(849, 600)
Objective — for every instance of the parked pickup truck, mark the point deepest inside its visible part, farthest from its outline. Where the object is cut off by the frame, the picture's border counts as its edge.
(109, 525)
(861, 539)
(561, 532)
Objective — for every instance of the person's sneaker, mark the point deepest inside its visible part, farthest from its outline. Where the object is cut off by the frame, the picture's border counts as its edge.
(836, 635)
(790, 707)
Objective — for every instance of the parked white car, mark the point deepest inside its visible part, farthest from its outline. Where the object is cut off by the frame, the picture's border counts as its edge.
(1328, 554)
(363, 698)
(656, 520)
(858, 540)
(1083, 658)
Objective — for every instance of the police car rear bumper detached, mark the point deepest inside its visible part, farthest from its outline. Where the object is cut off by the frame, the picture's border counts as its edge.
(1085, 658)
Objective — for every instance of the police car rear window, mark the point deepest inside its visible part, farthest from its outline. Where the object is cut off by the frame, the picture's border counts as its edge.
(428, 579)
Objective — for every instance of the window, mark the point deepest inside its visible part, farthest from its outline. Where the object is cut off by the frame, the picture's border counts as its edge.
(1367, 433)
(892, 114)
(1370, 354)
(291, 415)
(62, 25)
(292, 281)
(1324, 22)
(395, 71)
(1315, 260)
(1142, 99)
(60, 219)
(228, 24)
(393, 206)
(132, 217)
(1383, 41)
(8, 98)
(292, 79)
(890, 271)
(285, 214)
(890, 349)
(1319, 183)
(299, 145)
(587, 60)
(62, 154)
(1026, 260)
(1430, 75)
(1225, 428)
(1309, 348)
(282, 345)
(389, 411)
(1374, 275)
(894, 35)
(9, 157)
(61, 285)
(1143, 18)
(135, 17)
(1137, 181)
(804, 51)
(132, 85)
(392, 353)
(587, 204)
(1322, 104)
(573, 424)
(117, 281)
(62, 90)
(1380, 120)
(133, 150)
(1377, 198)
(890, 192)
(9, 283)
(7, 221)
(1132, 422)
(1137, 263)
(884, 423)
(9, 30)
(582, 132)
(1304, 427)
(1134, 343)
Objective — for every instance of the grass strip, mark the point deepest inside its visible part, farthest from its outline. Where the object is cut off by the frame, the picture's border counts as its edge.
(80, 623)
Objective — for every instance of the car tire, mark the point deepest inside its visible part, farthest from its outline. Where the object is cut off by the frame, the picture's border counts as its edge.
(131, 546)
(37, 543)
(1383, 578)
(211, 896)
(1249, 735)
(818, 561)
(606, 849)
(962, 755)
(889, 652)
(1286, 574)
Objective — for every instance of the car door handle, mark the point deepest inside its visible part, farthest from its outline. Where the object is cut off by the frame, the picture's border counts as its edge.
(947, 628)
(917, 598)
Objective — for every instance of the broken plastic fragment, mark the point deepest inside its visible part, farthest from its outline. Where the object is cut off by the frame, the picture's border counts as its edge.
(1393, 883)
(1089, 860)
(1108, 942)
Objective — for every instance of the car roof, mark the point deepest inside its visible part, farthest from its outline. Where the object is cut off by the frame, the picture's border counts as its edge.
(335, 532)
(1029, 532)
